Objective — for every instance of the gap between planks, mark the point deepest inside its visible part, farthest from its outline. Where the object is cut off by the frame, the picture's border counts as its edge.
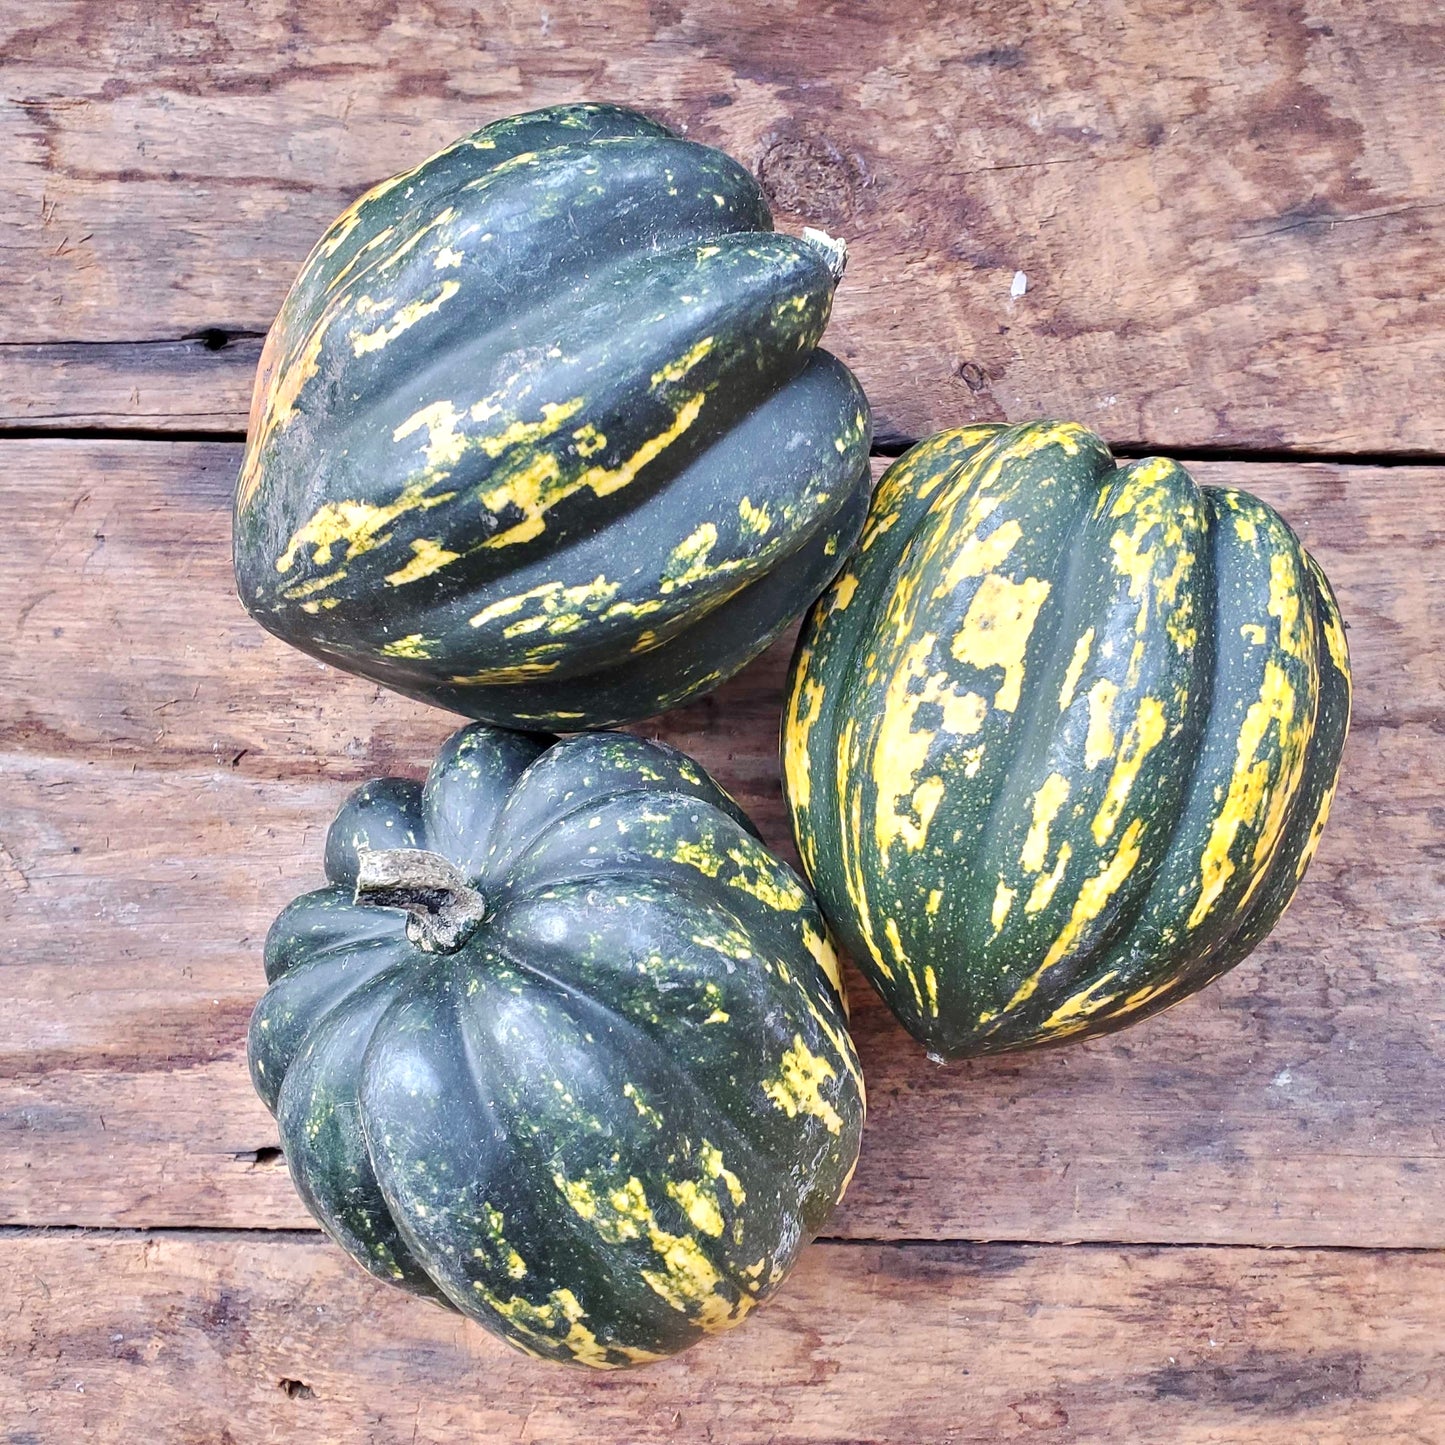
(260, 1233)
(886, 446)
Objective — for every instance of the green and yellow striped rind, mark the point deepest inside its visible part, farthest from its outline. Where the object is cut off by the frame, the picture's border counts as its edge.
(542, 432)
(608, 1123)
(1061, 737)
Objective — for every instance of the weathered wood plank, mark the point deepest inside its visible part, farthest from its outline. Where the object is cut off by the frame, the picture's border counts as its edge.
(1228, 216)
(152, 385)
(239, 1339)
(168, 772)
(125, 639)
(1298, 1101)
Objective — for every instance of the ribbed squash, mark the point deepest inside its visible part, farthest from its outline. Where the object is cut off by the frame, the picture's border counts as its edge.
(542, 433)
(1062, 737)
(561, 1045)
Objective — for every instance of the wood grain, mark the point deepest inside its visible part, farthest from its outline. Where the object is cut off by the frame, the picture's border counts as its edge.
(167, 772)
(1229, 217)
(207, 1339)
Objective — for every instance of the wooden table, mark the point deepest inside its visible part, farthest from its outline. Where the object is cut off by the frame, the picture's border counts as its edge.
(1226, 1224)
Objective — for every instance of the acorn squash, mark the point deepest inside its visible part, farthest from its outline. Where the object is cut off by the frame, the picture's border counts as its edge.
(542, 433)
(1062, 736)
(561, 1045)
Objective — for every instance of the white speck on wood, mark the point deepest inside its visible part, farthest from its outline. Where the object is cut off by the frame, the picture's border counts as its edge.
(1020, 285)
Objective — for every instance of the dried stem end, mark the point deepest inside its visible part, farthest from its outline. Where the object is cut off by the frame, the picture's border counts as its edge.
(443, 910)
(834, 252)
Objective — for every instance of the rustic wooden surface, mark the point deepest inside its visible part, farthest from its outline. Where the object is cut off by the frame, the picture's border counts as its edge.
(167, 771)
(1229, 215)
(1234, 237)
(228, 1338)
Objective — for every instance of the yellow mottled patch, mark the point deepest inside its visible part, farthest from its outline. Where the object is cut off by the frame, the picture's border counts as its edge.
(900, 752)
(1078, 1009)
(544, 1324)
(711, 1161)
(278, 391)
(1093, 897)
(697, 855)
(688, 561)
(1335, 641)
(516, 672)
(554, 608)
(755, 519)
(1051, 796)
(1317, 829)
(1099, 743)
(895, 942)
(842, 593)
(700, 1208)
(1045, 886)
(1141, 737)
(850, 807)
(589, 440)
(798, 1087)
(676, 370)
(444, 445)
(979, 555)
(766, 882)
(935, 898)
(537, 487)
(447, 259)
(413, 645)
(404, 319)
(1249, 788)
(732, 945)
(555, 415)
(644, 608)
(804, 706)
(1284, 604)
(428, 556)
(1075, 669)
(603, 481)
(316, 584)
(359, 526)
(688, 1282)
(996, 631)
(687, 1279)
(826, 957)
(579, 1194)
(1003, 900)
(644, 1109)
(1147, 994)
(1253, 632)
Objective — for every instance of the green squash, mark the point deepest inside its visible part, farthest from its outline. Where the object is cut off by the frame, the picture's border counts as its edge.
(542, 433)
(561, 1045)
(1062, 737)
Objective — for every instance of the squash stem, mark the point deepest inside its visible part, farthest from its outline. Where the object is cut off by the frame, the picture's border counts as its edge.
(443, 910)
(833, 251)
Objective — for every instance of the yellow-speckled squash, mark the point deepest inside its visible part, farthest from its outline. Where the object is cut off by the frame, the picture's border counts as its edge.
(542, 433)
(1062, 737)
(561, 1045)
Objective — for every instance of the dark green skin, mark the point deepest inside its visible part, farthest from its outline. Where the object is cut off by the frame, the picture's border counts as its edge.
(600, 265)
(1240, 654)
(436, 1109)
